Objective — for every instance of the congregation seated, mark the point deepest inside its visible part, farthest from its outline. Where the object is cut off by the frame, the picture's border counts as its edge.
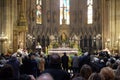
(32, 66)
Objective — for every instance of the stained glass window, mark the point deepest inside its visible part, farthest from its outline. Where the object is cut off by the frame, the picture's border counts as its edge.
(39, 11)
(64, 11)
(90, 11)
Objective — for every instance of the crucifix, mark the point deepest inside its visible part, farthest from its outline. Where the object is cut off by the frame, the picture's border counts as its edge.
(63, 20)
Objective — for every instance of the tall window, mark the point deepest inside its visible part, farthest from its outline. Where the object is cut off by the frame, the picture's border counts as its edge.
(64, 11)
(39, 11)
(90, 11)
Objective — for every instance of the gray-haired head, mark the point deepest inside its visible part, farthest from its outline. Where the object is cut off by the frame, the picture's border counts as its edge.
(45, 76)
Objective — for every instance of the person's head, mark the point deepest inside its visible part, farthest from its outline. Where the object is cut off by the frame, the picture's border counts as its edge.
(117, 73)
(64, 53)
(85, 71)
(108, 73)
(75, 54)
(96, 76)
(55, 59)
(117, 77)
(6, 72)
(32, 77)
(25, 77)
(78, 78)
(118, 70)
(32, 56)
(45, 76)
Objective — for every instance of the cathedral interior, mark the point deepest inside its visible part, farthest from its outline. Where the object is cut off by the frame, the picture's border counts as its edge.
(85, 24)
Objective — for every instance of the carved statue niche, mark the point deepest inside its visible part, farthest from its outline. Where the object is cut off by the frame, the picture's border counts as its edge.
(85, 41)
(63, 37)
(90, 41)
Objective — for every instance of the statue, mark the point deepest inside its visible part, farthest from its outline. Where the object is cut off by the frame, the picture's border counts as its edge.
(63, 37)
(38, 46)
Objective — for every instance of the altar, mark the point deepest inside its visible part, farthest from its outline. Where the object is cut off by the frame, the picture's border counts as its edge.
(61, 50)
(63, 41)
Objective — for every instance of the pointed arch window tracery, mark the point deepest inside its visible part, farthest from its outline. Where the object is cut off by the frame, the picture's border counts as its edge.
(65, 12)
(89, 11)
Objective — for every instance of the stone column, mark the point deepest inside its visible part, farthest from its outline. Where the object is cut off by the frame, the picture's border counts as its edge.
(21, 26)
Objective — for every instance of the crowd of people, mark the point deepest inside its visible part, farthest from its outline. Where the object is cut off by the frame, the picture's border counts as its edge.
(38, 66)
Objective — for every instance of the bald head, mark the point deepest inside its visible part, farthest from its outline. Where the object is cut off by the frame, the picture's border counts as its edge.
(45, 76)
